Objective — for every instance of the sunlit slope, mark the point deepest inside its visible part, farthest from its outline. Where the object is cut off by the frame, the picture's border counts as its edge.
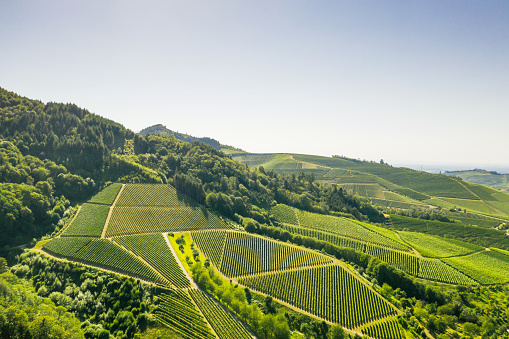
(152, 208)
(492, 179)
(386, 185)
(399, 250)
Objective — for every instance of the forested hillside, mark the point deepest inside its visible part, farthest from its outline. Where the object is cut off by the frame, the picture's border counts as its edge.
(53, 156)
(165, 132)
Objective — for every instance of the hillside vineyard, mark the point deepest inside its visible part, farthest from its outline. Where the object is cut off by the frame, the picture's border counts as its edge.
(114, 234)
(124, 229)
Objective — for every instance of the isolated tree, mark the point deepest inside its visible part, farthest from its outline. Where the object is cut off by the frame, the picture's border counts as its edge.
(336, 332)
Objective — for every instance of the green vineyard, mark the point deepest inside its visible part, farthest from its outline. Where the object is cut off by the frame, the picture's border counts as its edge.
(245, 254)
(89, 221)
(326, 236)
(177, 311)
(155, 251)
(434, 269)
(404, 261)
(223, 323)
(385, 329)
(137, 220)
(474, 235)
(211, 244)
(329, 292)
(346, 228)
(107, 196)
(487, 267)
(102, 253)
(433, 246)
(286, 214)
(151, 195)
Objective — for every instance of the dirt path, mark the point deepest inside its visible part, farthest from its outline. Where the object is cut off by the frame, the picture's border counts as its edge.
(193, 284)
(110, 212)
(69, 223)
(145, 262)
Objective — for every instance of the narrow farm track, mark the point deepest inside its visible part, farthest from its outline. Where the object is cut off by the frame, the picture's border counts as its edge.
(146, 263)
(413, 249)
(69, 223)
(111, 211)
(193, 284)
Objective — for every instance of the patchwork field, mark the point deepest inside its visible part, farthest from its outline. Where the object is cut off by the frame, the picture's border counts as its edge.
(336, 225)
(246, 254)
(329, 292)
(134, 219)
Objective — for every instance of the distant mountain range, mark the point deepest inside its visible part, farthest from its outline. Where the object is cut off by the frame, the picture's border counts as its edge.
(163, 131)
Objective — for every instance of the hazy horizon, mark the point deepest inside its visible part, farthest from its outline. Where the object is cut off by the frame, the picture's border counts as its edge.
(421, 83)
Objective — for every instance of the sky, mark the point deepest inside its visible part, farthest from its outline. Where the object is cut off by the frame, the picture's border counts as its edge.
(411, 82)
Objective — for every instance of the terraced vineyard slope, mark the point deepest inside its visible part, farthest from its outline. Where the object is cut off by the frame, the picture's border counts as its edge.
(338, 226)
(487, 267)
(433, 246)
(155, 251)
(329, 292)
(473, 235)
(245, 254)
(177, 311)
(385, 329)
(108, 195)
(89, 221)
(143, 208)
(103, 253)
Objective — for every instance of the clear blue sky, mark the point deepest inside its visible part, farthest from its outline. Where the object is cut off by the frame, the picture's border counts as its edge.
(412, 82)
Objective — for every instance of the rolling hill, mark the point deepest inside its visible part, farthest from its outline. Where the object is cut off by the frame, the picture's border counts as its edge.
(160, 129)
(388, 186)
(482, 177)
